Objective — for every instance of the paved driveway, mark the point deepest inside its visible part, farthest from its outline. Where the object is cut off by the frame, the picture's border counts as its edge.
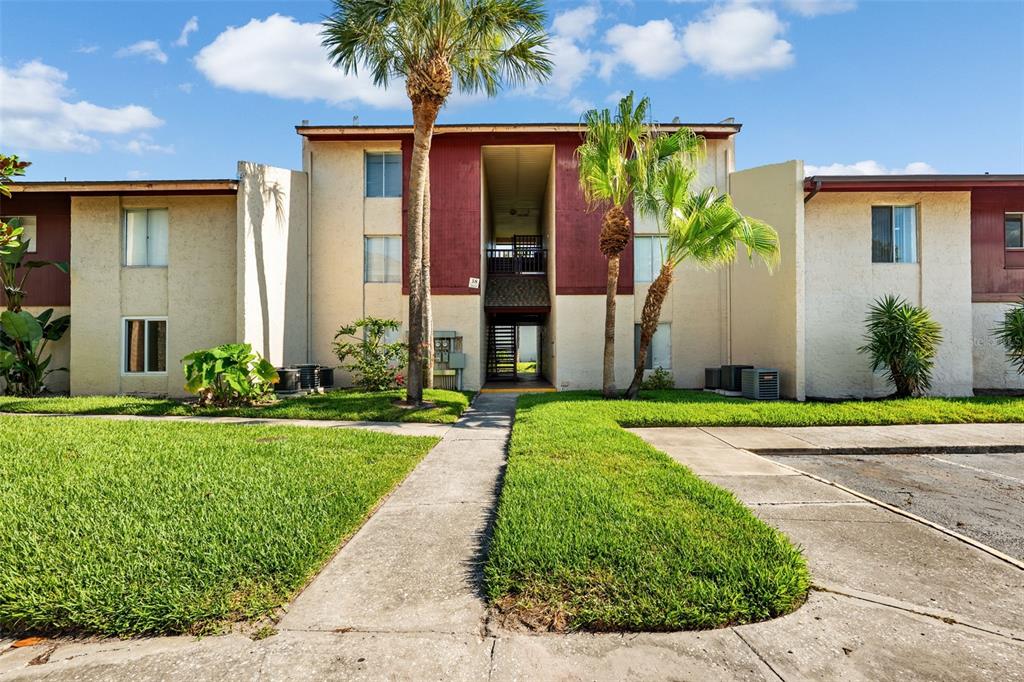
(978, 495)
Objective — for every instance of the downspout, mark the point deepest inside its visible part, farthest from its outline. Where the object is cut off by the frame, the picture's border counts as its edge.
(817, 188)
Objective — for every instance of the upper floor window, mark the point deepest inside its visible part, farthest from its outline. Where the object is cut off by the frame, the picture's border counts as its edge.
(648, 253)
(384, 174)
(145, 237)
(382, 259)
(28, 230)
(1013, 228)
(893, 234)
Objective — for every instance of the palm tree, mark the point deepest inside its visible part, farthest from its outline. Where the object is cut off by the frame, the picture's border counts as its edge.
(433, 45)
(703, 227)
(617, 152)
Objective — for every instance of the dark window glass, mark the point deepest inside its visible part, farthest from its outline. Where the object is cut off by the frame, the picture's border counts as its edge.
(881, 234)
(384, 174)
(374, 175)
(134, 346)
(393, 175)
(1014, 227)
(156, 359)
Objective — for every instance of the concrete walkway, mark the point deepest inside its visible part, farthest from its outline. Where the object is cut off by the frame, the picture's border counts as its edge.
(397, 428)
(893, 599)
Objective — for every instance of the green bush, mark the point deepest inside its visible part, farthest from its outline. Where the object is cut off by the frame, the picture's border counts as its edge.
(374, 363)
(1010, 333)
(228, 375)
(659, 380)
(903, 339)
(24, 363)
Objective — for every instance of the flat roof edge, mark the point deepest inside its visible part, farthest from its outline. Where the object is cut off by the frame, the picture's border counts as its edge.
(440, 129)
(214, 186)
(848, 183)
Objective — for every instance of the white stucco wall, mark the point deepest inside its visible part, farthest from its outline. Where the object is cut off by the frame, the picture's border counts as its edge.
(272, 255)
(991, 368)
(195, 292)
(842, 282)
(766, 309)
(579, 341)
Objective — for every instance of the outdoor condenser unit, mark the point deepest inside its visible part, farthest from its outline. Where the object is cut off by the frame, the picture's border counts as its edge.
(731, 377)
(712, 377)
(761, 384)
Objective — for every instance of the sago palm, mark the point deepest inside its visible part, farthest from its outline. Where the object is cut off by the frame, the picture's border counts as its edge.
(702, 227)
(902, 339)
(435, 45)
(616, 156)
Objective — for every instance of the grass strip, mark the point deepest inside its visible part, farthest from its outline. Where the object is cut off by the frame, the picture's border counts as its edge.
(130, 528)
(347, 405)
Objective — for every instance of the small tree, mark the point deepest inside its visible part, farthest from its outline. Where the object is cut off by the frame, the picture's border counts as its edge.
(1010, 333)
(374, 362)
(230, 374)
(903, 339)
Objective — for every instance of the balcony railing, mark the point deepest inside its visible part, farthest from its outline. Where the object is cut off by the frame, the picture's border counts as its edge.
(530, 260)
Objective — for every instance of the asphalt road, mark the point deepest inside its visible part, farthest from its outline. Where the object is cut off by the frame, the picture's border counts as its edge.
(978, 495)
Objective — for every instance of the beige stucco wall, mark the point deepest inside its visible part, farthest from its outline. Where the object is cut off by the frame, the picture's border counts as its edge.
(579, 341)
(271, 248)
(195, 292)
(842, 282)
(991, 368)
(766, 309)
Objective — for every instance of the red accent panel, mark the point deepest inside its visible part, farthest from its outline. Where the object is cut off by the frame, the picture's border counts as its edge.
(580, 267)
(995, 272)
(46, 286)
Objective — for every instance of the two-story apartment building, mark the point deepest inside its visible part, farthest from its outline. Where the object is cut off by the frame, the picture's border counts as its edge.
(282, 258)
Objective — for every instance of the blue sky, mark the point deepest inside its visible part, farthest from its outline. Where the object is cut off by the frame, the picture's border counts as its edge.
(163, 89)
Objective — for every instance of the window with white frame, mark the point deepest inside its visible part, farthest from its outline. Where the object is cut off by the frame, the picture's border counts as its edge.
(382, 259)
(384, 174)
(145, 345)
(1013, 230)
(893, 234)
(660, 352)
(648, 253)
(28, 229)
(145, 237)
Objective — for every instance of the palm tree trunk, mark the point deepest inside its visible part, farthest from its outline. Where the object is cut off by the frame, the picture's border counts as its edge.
(428, 311)
(423, 115)
(608, 388)
(649, 324)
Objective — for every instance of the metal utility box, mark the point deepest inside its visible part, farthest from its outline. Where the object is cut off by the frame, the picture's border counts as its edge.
(732, 378)
(712, 377)
(761, 384)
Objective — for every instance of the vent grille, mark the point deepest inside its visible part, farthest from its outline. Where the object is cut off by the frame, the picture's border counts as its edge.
(761, 384)
(713, 377)
(732, 377)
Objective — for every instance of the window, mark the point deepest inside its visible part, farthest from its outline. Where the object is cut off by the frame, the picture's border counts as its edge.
(660, 352)
(647, 257)
(382, 259)
(893, 234)
(1013, 228)
(384, 174)
(145, 346)
(28, 229)
(145, 237)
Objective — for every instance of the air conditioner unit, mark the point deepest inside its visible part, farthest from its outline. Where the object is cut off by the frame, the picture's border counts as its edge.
(761, 384)
(731, 377)
(712, 378)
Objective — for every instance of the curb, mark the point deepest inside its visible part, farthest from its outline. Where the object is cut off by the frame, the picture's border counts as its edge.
(893, 450)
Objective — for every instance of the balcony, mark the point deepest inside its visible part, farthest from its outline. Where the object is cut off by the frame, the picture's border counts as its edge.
(518, 261)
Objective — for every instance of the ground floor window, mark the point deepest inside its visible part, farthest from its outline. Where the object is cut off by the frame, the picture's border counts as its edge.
(660, 352)
(145, 345)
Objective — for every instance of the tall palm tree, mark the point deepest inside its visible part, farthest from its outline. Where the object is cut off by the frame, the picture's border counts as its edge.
(434, 45)
(617, 152)
(702, 227)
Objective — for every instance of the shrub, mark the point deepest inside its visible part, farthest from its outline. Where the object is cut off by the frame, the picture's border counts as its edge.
(374, 362)
(903, 339)
(1010, 333)
(228, 375)
(659, 380)
(24, 364)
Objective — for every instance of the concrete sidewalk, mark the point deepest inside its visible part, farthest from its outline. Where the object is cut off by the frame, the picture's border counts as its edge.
(397, 428)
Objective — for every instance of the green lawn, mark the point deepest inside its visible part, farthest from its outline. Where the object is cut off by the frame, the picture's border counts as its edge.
(345, 404)
(597, 530)
(127, 528)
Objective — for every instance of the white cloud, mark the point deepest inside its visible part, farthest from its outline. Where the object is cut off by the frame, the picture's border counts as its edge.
(653, 50)
(191, 26)
(150, 49)
(869, 167)
(614, 96)
(579, 105)
(35, 112)
(814, 8)
(144, 144)
(186, 88)
(576, 24)
(87, 49)
(281, 57)
(736, 40)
